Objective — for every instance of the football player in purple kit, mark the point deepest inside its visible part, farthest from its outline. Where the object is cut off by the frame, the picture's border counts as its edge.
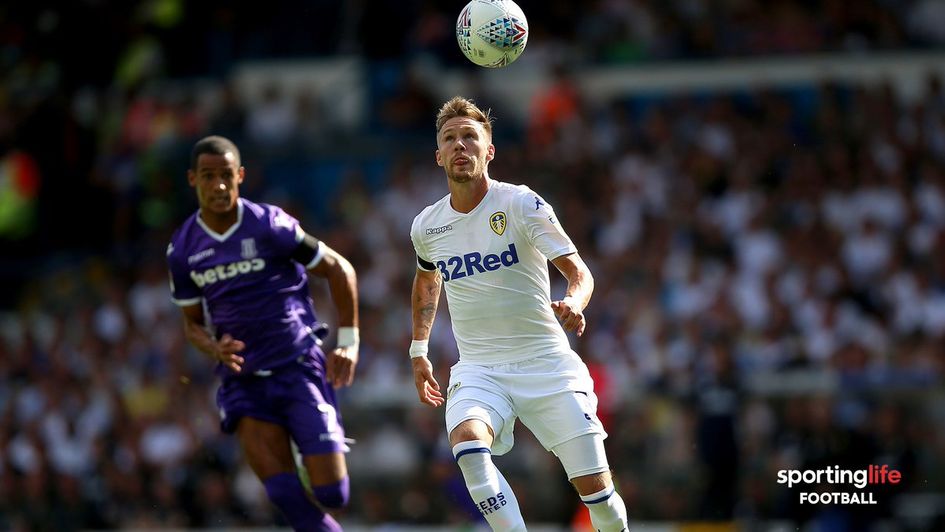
(239, 273)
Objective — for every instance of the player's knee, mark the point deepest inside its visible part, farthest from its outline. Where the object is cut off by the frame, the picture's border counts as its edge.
(470, 430)
(584, 458)
(592, 483)
(333, 496)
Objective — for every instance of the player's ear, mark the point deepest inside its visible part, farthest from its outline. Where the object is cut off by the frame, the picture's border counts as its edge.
(191, 178)
(242, 175)
(490, 154)
(439, 160)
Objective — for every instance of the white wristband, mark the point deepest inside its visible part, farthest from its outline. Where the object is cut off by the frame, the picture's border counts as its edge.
(419, 348)
(348, 337)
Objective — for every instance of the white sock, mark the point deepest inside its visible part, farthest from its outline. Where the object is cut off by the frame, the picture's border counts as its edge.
(488, 488)
(608, 512)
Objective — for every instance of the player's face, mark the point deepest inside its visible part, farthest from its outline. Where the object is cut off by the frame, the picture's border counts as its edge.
(464, 149)
(217, 182)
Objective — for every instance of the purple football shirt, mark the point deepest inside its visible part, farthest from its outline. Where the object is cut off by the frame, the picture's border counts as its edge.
(249, 285)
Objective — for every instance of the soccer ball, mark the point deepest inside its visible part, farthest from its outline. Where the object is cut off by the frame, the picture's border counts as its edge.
(492, 33)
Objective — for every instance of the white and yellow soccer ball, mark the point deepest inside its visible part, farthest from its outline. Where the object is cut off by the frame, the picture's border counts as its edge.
(492, 33)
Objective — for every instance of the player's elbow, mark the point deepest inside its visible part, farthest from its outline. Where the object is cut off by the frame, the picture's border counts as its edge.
(342, 272)
(427, 279)
(347, 270)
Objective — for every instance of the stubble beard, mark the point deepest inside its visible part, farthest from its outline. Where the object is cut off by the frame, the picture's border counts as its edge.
(465, 177)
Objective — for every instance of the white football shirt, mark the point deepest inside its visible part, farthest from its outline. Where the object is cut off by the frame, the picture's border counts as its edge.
(494, 264)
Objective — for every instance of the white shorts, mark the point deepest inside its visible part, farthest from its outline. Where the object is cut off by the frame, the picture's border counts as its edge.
(552, 394)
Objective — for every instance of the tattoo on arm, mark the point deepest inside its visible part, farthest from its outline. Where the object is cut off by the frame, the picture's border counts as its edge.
(426, 298)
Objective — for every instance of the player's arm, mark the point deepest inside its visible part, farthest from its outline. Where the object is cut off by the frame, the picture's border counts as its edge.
(322, 261)
(225, 350)
(424, 299)
(570, 309)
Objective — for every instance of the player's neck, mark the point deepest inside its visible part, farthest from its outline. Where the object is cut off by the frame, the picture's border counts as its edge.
(219, 222)
(464, 197)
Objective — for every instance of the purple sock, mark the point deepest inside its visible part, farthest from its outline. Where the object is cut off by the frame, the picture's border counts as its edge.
(286, 492)
(333, 496)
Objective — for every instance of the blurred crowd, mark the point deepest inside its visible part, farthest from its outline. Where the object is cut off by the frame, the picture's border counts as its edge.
(770, 285)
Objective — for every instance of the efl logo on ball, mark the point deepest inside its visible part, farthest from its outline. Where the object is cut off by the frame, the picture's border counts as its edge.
(492, 33)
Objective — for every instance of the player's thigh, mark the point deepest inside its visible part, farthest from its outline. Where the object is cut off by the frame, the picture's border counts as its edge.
(478, 408)
(266, 447)
(247, 397)
(560, 416)
(325, 469)
(310, 412)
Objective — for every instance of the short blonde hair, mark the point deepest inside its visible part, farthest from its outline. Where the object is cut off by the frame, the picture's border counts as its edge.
(459, 106)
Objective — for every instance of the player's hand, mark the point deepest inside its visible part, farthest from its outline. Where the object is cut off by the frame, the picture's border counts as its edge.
(427, 388)
(571, 315)
(341, 365)
(226, 352)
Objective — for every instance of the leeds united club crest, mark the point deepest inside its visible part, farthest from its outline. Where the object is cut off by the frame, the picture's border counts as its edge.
(497, 222)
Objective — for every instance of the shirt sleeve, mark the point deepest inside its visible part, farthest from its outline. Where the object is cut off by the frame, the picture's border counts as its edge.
(419, 247)
(184, 291)
(542, 227)
(285, 232)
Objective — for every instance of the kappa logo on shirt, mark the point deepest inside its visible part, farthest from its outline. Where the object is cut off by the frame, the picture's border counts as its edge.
(439, 230)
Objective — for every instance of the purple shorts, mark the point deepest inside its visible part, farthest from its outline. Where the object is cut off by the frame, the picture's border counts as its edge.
(295, 396)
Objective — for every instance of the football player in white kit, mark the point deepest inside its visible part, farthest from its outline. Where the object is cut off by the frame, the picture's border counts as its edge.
(490, 242)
